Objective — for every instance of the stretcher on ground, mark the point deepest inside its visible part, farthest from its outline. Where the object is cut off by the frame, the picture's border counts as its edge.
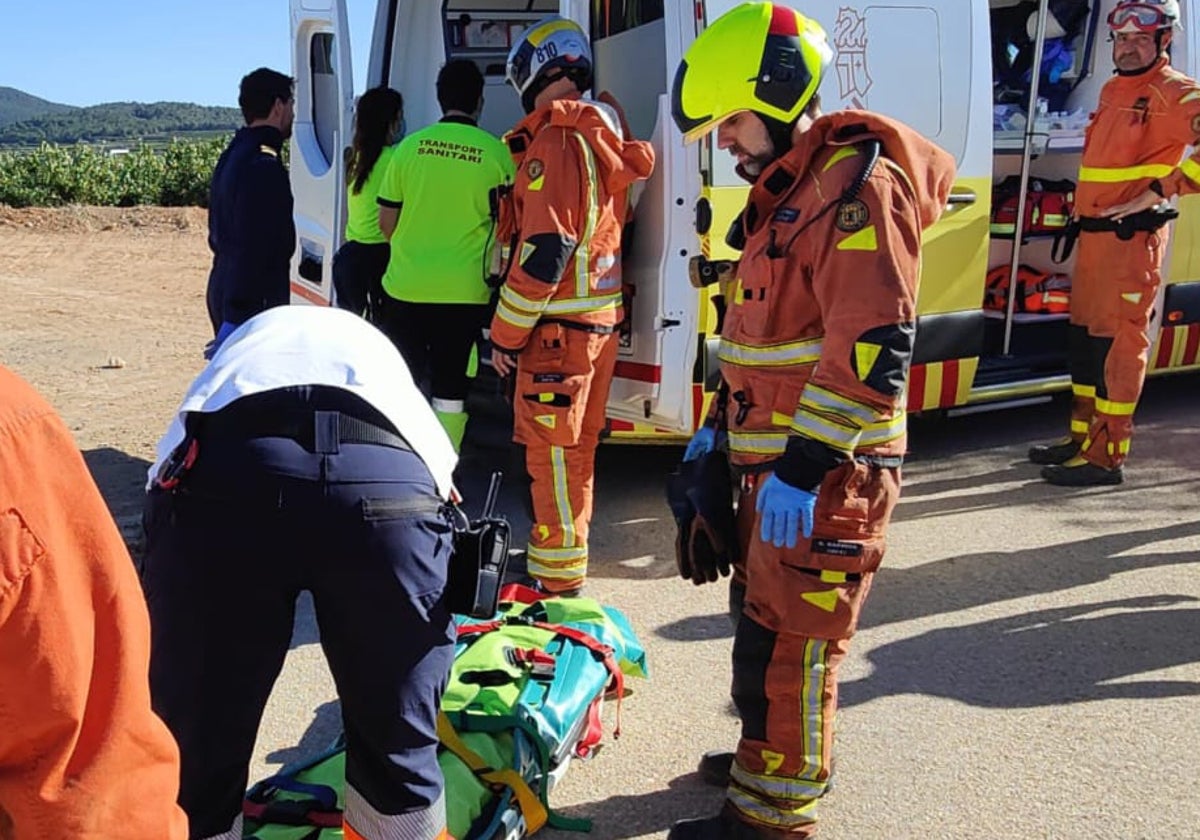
(524, 699)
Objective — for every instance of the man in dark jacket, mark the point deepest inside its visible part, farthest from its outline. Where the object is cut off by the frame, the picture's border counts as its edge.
(250, 227)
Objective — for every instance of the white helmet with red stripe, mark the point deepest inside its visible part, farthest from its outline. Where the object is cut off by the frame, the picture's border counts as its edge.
(1144, 16)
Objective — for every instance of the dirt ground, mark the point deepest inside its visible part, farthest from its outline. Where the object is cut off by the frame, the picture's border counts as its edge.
(1029, 665)
(102, 310)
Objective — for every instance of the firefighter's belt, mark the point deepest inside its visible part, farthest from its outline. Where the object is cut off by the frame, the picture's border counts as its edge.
(1147, 221)
(881, 462)
(314, 430)
(598, 329)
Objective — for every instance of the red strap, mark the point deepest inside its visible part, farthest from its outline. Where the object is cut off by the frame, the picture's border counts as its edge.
(605, 652)
(270, 813)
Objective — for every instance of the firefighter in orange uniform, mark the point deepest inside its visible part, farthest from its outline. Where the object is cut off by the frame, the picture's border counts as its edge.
(1132, 163)
(815, 353)
(562, 299)
(81, 753)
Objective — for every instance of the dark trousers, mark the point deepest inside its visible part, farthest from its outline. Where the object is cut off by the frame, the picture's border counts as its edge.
(358, 269)
(435, 340)
(254, 523)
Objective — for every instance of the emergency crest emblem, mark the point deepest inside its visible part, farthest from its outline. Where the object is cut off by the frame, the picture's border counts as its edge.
(852, 216)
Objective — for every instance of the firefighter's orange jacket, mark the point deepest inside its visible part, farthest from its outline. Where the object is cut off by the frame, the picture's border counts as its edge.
(1138, 134)
(570, 200)
(820, 326)
(81, 753)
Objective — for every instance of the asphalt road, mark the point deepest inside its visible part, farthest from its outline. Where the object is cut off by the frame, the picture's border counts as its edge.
(1028, 664)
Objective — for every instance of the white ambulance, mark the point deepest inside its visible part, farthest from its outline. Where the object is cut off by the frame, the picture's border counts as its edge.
(929, 63)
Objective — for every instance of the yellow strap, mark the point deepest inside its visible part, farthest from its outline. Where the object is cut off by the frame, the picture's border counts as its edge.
(531, 807)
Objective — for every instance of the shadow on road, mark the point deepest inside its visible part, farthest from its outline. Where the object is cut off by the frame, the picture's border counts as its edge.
(326, 725)
(653, 812)
(122, 482)
(1048, 657)
(989, 577)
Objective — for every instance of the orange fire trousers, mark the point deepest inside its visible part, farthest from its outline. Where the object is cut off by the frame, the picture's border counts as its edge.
(801, 608)
(563, 378)
(1112, 296)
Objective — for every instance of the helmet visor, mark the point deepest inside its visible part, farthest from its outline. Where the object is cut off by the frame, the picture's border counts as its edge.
(1138, 16)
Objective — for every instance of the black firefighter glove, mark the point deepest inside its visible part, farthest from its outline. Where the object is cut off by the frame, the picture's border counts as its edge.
(700, 494)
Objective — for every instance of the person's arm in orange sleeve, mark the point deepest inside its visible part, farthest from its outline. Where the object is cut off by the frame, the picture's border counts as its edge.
(865, 282)
(1184, 120)
(553, 188)
(82, 754)
(1182, 126)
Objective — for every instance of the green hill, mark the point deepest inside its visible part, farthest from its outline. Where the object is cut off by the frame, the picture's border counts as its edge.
(17, 105)
(120, 123)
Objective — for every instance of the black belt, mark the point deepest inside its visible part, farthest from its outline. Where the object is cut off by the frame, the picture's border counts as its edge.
(1145, 221)
(316, 431)
(881, 462)
(598, 329)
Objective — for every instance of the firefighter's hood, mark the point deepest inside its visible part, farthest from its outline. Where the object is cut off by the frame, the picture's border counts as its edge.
(930, 169)
(620, 161)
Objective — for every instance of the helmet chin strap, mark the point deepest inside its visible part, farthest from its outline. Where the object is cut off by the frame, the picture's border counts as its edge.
(582, 81)
(779, 132)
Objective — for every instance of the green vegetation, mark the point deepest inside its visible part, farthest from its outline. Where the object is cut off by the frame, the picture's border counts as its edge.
(117, 123)
(177, 175)
(16, 105)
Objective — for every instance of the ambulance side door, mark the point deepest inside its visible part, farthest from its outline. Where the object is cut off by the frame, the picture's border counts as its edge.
(324, 112)
(637, 46)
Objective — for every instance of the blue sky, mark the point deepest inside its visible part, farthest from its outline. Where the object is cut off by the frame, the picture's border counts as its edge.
(83, 52)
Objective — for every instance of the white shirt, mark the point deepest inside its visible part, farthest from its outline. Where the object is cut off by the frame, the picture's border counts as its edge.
(317, 345)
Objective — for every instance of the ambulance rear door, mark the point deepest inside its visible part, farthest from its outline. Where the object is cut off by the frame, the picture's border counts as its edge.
(324, 111)
(637, 45)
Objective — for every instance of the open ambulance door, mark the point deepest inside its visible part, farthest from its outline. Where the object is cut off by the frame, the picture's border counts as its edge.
(324, 110)
(637, 45)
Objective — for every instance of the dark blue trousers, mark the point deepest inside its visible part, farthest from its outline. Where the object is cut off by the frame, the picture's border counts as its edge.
(255, 522)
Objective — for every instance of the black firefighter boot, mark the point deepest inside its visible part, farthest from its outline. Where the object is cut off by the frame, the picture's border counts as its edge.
(715, 766)
(1058, 452)
(724, 826)
(1080, 473)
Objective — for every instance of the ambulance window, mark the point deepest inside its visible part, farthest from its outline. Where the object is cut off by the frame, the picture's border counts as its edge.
(324, 93)
(611, 17)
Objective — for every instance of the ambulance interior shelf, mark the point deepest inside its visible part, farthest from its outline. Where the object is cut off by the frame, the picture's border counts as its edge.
(1013, 142)
(487, 35)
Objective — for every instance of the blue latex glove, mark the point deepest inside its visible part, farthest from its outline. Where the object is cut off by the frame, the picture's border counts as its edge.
(784, 509)
(703, 442)
(213, 346)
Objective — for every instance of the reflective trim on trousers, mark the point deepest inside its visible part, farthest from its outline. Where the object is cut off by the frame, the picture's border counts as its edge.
(777, 787)
(562, 495)
(234, 832)
(557, 563)
(790, 801)
(363, 821)
(771, 815)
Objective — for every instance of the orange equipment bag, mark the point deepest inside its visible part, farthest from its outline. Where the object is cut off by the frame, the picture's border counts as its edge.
(1037, 292)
